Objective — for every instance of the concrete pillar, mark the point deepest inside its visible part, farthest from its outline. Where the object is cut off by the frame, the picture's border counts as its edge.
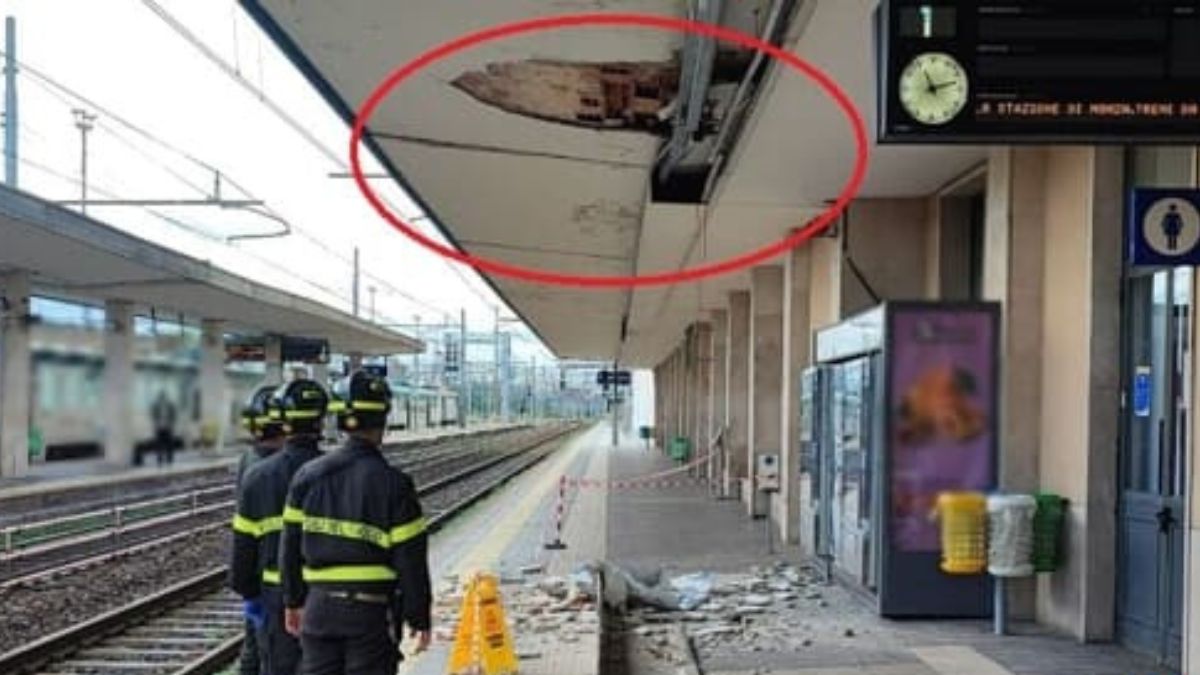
(766, 366)
(118, 384)
(824, 284)
(658, 404)
(681, 390)
(737, 388)
(702, 385)
(690, 368)
(1013, 275)
(16, 368)
(718, 409)
(213, 388)
(1081, 342)
(273, 359)
(795, 358)
(320, 374)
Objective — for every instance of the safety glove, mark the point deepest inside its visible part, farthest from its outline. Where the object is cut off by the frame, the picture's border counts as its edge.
(254, 612)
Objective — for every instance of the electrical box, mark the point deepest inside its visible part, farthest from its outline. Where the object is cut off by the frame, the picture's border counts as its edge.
(767, 473)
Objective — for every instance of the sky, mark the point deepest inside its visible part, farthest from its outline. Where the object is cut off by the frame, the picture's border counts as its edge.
(169, 120)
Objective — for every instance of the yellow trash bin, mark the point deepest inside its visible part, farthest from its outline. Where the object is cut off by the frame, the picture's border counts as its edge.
(963, 517)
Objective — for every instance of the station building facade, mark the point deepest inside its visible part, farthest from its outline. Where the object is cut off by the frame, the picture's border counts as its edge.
(1040, 230)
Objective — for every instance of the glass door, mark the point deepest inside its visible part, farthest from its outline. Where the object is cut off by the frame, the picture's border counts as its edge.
(1156, 440)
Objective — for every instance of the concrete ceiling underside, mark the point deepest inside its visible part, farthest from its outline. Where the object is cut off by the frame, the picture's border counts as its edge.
(555, 196)
(72, 257)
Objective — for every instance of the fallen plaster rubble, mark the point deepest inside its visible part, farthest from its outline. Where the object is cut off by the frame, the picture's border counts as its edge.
(543, 611)
(773, 608)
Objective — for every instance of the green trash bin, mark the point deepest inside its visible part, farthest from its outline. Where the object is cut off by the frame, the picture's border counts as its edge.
(37, 444)
(681, 449)
(1047, 531)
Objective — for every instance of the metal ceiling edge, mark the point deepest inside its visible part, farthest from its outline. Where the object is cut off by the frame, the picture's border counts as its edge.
(262, 17)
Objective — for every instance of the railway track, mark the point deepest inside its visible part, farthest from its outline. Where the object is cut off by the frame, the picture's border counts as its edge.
(65, 543)
(195, 627)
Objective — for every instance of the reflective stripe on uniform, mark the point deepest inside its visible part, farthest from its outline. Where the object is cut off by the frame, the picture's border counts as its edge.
(341, 406)
(270, 575)
(293, 515)
(349, 573)
(257, 528)
(368, 405)
(301, 414)
(402, 533)
(347, 529)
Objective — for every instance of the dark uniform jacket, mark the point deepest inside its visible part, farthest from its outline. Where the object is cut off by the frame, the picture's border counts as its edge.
(259, 518)
(353, 524)
(249, 458)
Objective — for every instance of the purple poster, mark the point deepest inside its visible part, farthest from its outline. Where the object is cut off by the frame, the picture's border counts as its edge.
(941, 404)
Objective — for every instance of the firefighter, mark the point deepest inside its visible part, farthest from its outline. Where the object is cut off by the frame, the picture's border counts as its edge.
(353, 554)
(298, 408)
(268, 439)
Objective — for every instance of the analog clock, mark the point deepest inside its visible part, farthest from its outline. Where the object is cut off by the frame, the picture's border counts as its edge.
(934, 88)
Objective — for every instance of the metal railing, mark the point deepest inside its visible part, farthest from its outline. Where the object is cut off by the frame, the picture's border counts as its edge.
(43, 536)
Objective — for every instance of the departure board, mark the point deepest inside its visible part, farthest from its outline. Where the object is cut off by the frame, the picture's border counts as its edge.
(1030, 71)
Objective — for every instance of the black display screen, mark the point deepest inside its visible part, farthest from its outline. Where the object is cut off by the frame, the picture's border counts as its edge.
(928, 21)
(1092, 71)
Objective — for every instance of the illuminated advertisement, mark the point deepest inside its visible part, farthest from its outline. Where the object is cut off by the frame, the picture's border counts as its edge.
(941, 414)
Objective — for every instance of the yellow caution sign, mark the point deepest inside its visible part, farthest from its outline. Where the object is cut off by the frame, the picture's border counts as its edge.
(483, 644)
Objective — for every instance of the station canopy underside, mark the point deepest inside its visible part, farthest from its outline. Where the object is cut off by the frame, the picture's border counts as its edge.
(495, 143)
(73, 257)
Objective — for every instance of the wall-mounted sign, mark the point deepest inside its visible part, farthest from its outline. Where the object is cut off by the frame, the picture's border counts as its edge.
(1141, 392)
(607, 378)
(1001, 71)
(292, 349)
(1164, 228)
(305, 350)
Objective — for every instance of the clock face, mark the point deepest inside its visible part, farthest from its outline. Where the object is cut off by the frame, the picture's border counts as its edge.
(934, 88)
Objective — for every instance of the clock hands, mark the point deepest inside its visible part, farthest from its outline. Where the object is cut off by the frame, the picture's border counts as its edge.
(935, 88)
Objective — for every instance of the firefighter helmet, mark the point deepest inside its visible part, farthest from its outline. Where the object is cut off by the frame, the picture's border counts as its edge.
(261, 414)
(302, 405)
(362, 401)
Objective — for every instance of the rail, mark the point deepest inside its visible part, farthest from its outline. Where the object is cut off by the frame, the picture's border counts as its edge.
(115, 522)
(220, 647)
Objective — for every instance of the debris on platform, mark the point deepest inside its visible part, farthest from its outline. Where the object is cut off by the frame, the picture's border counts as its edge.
(544, 611)
(775, 608)
(626, 586)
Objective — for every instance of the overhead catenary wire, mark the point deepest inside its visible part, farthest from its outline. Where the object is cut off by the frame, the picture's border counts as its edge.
(71, 97)
(302, 130)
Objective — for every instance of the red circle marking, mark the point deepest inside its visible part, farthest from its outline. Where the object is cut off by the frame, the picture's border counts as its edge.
(663, 23)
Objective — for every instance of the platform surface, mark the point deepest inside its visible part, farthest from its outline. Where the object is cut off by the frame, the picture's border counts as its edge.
(682, 528)
(56, 476)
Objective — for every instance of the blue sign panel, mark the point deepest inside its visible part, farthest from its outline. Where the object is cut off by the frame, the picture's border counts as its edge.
(1164, 228)
(1141, 392)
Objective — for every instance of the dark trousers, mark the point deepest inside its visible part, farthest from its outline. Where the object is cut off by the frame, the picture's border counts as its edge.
(248, 659)
(345, 637)
(280, 651)
(164, 442)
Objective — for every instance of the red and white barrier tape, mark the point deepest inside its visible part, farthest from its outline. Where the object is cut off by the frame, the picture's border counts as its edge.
(658, 479)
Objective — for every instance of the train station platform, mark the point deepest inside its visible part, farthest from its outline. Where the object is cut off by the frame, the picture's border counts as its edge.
(68, 475)
(750, 624)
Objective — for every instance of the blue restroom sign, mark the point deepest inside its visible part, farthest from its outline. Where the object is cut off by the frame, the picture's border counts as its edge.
(1141, 392)
(1165, 227)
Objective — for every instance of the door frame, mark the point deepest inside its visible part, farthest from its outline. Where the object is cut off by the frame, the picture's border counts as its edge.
(1188, 653)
